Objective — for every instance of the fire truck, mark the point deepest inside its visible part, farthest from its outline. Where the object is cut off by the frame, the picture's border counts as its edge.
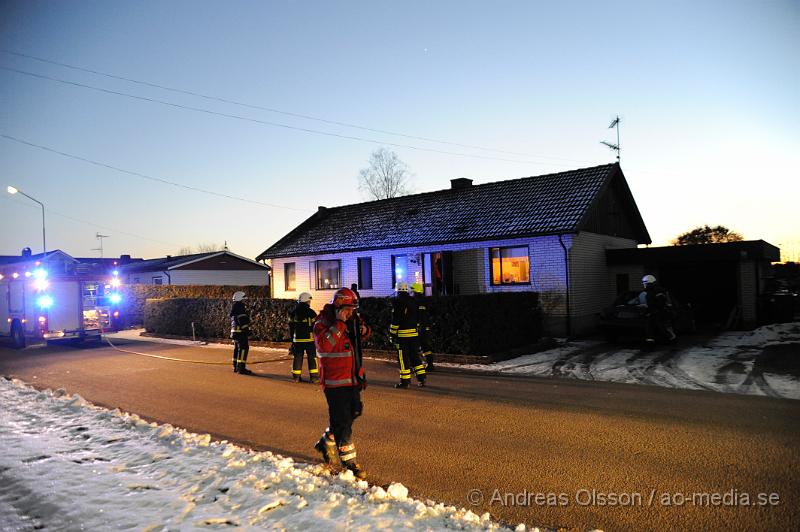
(37, 304)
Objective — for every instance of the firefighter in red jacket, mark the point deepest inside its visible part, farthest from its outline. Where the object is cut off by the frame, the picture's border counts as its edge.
(337, 331)
(403, 332)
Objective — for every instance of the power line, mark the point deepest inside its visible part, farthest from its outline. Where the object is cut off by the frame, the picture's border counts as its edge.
(274, 124)
(93, 224)
(145, 176)
(286, 113)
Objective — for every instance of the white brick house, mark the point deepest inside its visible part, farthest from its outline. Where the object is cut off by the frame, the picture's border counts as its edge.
(547, 234)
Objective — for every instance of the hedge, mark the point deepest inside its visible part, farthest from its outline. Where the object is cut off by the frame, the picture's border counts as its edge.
(473, 325)
(134, 296)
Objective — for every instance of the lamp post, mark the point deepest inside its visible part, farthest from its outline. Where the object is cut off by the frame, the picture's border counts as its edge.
(14, 190)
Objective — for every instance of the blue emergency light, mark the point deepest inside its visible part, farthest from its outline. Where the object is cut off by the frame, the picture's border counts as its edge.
(115, 298)
(44, 301)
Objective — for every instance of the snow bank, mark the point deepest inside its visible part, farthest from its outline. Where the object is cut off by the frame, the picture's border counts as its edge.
(70, 465)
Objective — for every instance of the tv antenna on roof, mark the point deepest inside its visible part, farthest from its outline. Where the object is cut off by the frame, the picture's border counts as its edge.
(615, 147)
(100, 237)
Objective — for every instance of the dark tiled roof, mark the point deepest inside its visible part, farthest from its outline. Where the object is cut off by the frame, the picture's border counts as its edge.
(530, 206)
(12, 259)
(163, 263)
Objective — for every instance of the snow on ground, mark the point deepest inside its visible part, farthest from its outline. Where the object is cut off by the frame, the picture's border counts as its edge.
(69, 465)
(730, 362)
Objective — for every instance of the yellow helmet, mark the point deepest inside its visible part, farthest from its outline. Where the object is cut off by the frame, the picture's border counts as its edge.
(417, 288)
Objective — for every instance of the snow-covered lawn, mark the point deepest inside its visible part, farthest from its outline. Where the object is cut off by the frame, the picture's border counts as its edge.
(69, 465)
(736, 362)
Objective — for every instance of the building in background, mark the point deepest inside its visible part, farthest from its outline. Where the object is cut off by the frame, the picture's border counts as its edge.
(212, 268)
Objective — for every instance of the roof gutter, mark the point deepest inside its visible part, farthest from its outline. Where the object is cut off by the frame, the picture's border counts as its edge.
(566, 279)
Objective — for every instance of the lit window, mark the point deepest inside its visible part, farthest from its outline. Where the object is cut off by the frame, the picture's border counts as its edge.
(329, 274)
(399, 269)
(288, 276)
(510, 265)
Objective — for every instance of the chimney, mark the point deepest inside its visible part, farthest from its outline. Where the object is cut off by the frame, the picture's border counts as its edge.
(459, 183)
(169, 256)
(26, 252)
(321, 208)
(124, 259)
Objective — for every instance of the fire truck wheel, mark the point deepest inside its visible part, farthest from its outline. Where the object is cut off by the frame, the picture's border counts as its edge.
(17, 336)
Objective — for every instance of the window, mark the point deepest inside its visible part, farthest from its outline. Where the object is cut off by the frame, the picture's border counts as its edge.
(329, 274)
(399, 269)
(288, 276)
(510, 265)
(158, 280)
(365, 273)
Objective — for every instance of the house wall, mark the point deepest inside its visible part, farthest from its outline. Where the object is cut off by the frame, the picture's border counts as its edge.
(204, 277)
(593, 285)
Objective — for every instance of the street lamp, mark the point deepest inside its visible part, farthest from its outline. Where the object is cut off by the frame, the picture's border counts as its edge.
(14, 190)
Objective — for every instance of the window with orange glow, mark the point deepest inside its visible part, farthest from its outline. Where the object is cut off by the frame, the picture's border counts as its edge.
(510, 265)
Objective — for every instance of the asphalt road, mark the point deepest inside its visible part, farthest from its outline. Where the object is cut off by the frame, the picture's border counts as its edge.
(543, 451)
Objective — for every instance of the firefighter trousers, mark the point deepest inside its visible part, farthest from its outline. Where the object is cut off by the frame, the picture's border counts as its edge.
(409, 359)
(344, 406)
(304, 348)
(240, 349)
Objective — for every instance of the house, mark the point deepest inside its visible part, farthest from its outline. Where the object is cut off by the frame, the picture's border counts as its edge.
(59, 262)
(212, 268)
(547, 234)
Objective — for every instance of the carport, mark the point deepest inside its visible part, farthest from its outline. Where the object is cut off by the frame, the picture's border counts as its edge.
(724, 283)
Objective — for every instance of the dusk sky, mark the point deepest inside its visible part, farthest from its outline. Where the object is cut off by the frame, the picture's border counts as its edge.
(708, 93)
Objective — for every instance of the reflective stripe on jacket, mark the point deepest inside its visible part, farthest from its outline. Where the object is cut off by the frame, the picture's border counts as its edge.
(337, 366)
(301, 323)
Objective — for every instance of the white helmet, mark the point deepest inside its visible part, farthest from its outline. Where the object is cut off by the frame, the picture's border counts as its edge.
(304, 297)
(403, 287)
(648, 279)
(238, 296)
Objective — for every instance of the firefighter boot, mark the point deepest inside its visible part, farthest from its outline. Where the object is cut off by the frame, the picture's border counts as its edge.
(347, 454)
(403, 384)
(326, 446)
(242, 370)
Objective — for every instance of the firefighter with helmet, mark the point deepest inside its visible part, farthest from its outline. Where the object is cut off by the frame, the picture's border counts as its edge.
(301, 325)
(659, 311)
(404, 334)
(342, 376)
(240, 331)
(424, 327)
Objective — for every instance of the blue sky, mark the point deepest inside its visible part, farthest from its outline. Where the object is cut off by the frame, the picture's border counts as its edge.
(707, 91)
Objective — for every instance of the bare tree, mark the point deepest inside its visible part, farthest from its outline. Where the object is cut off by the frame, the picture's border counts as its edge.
(205, 247)
(208, 247)
(707, 235)
(385, 177)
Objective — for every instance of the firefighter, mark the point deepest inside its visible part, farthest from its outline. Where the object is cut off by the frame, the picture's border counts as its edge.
(240, 331)
(403, 332)
(424, 327)
(301, 324)
(659, 311)
(342, 376)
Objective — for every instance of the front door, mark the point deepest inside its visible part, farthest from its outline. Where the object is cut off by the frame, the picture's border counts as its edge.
(438, 273)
